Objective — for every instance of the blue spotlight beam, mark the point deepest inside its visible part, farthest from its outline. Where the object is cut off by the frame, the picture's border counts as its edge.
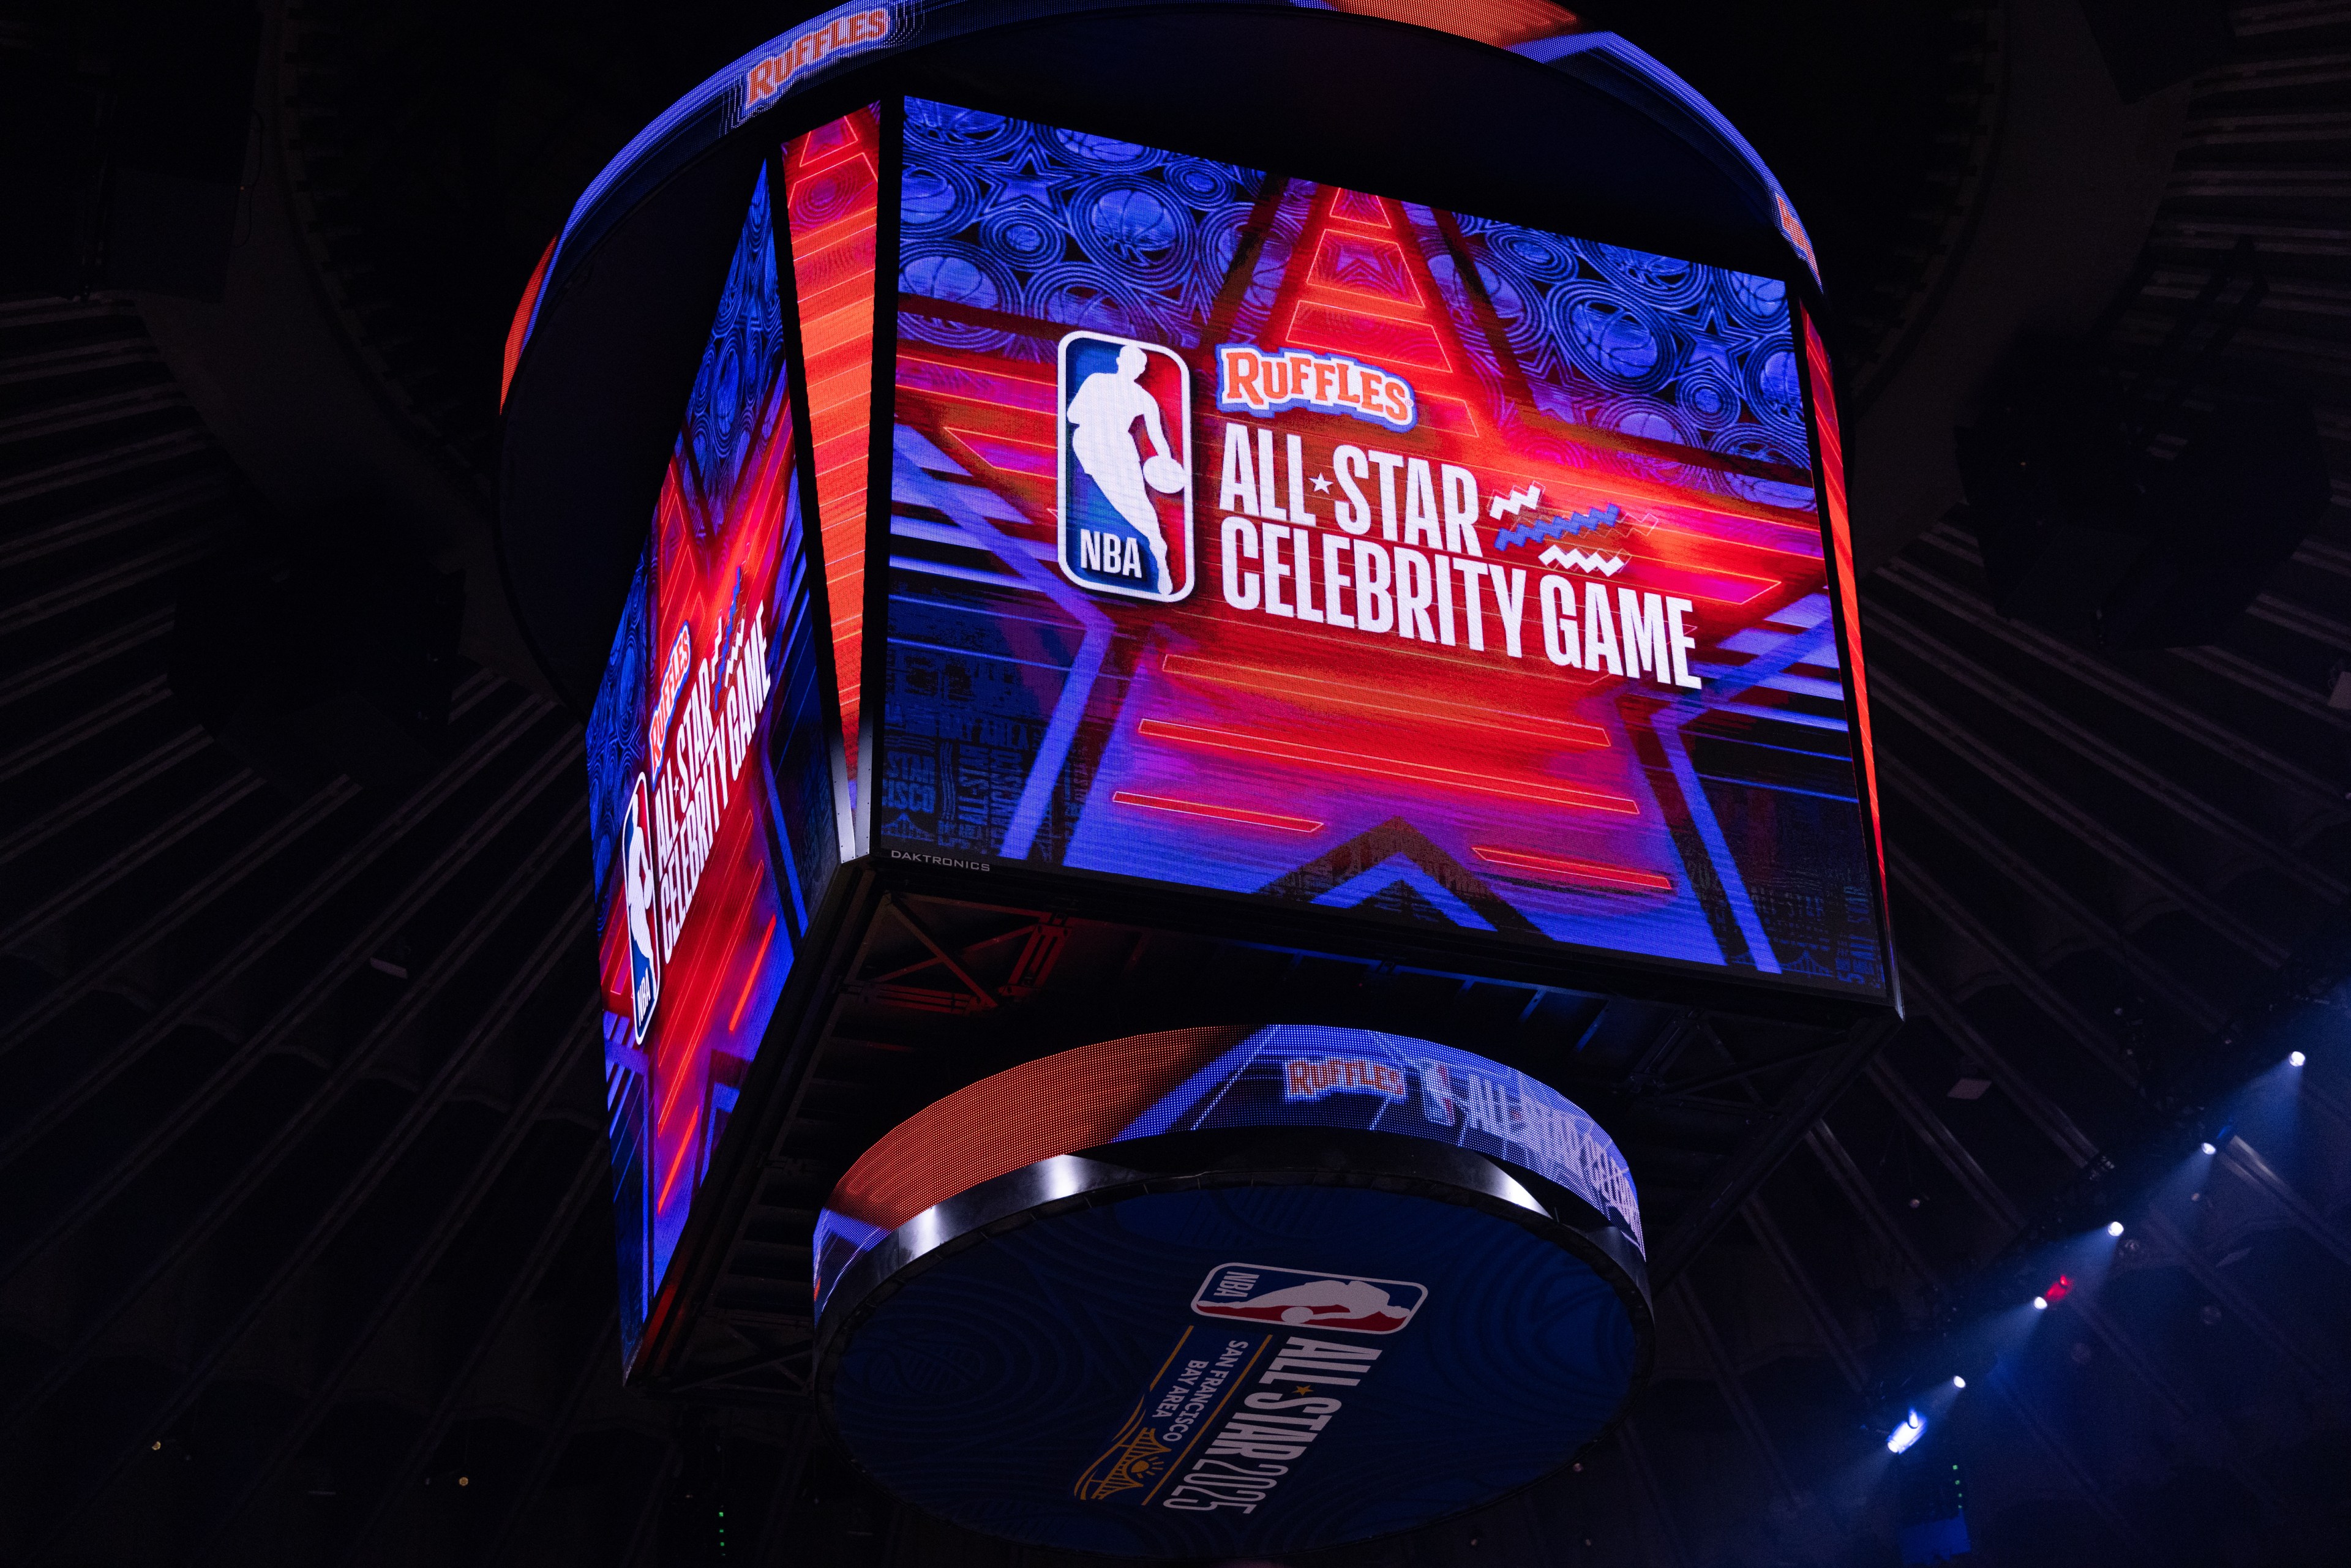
(2125, 1348)
(2223, 1289)
(2245, 1161)
(2053, 1442)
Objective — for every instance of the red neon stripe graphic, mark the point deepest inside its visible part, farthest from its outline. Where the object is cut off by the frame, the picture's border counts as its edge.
(1349, 330)
(1574, 871)
(1816, 366)
(1015, 395)
(1383, 259)
(1222, 813)
(831, 211)
(1540, 789)
(1315, 691)
(685, 1146)
(1358, 207)
(752, 978)
(1008, 452)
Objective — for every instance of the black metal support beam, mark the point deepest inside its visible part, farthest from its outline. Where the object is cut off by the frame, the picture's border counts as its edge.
(1833, 1338)
(2014, 701)
(1734, 1390)
(1866, 1207)
(2034, 986)
(1653, 1492)
(2054, 1444)
(1953, 1154)
(2242, 1160)
(589, 1182)
(601, 1364)
(2045, 1114)
(1735, 1179)
(2019, 868)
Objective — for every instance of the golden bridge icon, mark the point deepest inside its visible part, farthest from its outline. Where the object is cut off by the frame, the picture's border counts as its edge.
(1133, 1459)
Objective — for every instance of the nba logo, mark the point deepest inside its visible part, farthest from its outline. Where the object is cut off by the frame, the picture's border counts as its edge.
(1252, 1293)
(637, 896)
(1125, 469)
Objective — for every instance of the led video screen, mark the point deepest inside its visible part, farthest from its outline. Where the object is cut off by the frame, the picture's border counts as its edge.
(1194, 1080)
(1260, 536)
(712, 787)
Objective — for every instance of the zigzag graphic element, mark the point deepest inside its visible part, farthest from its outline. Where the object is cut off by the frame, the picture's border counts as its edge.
(1528, 496)
(1542, 529)
(1576, 560)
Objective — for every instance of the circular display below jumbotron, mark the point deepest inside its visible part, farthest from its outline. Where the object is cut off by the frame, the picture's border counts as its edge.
(1224, 1341)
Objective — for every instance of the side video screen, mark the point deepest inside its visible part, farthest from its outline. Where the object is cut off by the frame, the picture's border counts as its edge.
(711, 794)
(1262, 535)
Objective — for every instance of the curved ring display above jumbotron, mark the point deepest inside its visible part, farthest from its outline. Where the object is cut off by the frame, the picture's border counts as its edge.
(1223, 1291)
(1565, 120)
(853, 36)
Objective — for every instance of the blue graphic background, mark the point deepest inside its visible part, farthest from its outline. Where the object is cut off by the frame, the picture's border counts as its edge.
(1061, 225)
(1644, 345)
(987, 1386)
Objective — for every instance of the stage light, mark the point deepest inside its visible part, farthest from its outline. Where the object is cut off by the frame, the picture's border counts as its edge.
(2040, 1304)
(2058, 1290)
(2114, 1227)
(1912, 1427)
(1959, 1382)
(2296, 1059)
(2210, 1149)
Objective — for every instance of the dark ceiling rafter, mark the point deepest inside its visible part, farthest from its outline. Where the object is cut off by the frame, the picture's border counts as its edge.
(2012, 698)
(1911, 877)
(1869, 1207)
(1922, 1121)
(104, 874)
(2224, 743)
(1684, 1297)
(2051, 1439)
(422, 993)
(1832, 1334)
(260, 939)
(2051, 894)
(329, 1383)
(2081, 820)
(2045, 1114)
(2247, 1311)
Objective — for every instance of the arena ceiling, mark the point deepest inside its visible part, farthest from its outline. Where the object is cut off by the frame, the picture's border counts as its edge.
(306, 1257)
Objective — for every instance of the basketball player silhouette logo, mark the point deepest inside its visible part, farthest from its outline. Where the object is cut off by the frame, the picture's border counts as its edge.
(637, 895)
(1125, 492)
